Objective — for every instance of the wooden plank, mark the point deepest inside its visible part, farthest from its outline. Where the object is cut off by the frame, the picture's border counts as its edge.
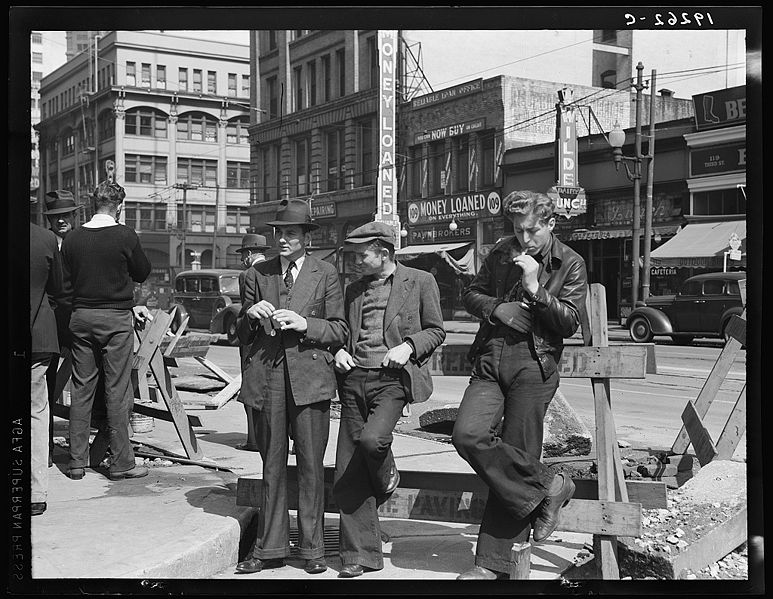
(189, 346)
(214, 369)
(742, 289)
(162, 414)
(734, 429)
(520, 561)
(177, 335)
(714, 545)
(710, 389)
(150, 339)
(736, 328)
(699, 436)
(228, 393)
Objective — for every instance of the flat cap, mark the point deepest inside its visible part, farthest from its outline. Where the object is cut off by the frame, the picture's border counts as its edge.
(372, 231)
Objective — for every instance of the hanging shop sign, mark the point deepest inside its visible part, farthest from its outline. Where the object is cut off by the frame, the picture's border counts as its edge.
(450, 131)
(720, 108)
(448, 94)
(567, 194)
(569, 201)
(718, 159)
(440, 233)
(386, 193)
(323, 209)
(472, 205)
(662, 271)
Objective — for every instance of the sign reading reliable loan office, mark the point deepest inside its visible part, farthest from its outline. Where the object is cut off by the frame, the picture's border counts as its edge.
(470, 205)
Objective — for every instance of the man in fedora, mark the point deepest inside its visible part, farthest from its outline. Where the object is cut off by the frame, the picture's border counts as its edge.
(252, 252)
(395, 323)
(291, 316)
(60, 211)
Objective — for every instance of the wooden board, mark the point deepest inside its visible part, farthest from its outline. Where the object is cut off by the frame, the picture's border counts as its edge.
(188, 346)
(699, 436)
(714, 545)
(734, 429)
(736, 328)
(162, 414)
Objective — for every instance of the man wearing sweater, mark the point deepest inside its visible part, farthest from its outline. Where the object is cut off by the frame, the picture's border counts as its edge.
(395, 323)
(103, 259)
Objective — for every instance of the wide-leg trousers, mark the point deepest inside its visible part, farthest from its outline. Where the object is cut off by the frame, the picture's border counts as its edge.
(39, 427)
(506, 382)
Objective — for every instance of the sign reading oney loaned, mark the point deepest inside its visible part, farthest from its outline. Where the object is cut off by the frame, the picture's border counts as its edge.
(386, 192)
(567, 194)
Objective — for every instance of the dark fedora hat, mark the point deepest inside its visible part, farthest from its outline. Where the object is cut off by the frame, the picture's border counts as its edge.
(293, 212)
(253, 241)
(60, 202)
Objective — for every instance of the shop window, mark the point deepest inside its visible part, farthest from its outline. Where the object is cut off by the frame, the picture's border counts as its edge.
(719, 201)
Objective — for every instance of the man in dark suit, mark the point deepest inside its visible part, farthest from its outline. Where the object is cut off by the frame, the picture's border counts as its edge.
(45, 282)
(252, 252)
(292, 314)
(395, 323)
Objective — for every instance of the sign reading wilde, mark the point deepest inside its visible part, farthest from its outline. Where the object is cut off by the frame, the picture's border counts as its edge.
(718, 159)
(450, 131)
(720, 108)
(448, 94)
(386, 189)
(460, 206)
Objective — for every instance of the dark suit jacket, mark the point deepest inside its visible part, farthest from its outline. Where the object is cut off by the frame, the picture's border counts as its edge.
(316, 295)
(412, 312)
(45, 282)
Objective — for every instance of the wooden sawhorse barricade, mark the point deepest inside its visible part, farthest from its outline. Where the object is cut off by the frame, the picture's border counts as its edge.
(156, 348)
(607, 508)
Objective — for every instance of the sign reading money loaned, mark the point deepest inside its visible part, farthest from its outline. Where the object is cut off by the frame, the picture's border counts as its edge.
(470, 205)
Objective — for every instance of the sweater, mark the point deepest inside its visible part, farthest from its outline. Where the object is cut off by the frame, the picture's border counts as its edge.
(371, 348)
(103, 264)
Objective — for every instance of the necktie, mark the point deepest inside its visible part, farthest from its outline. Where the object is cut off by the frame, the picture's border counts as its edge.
(289, 276)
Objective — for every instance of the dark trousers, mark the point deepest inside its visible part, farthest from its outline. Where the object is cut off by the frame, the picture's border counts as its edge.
(102, 342)
(371, 404)
(506, 381)
(311, 426)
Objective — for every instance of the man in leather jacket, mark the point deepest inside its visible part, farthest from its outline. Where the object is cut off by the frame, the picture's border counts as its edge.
(530, 294)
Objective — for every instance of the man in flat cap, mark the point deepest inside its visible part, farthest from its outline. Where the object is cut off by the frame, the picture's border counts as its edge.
(291, 316)
(252, 252)
(395, 323)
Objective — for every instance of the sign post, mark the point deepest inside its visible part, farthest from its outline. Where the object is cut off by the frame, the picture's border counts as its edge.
(386, 189)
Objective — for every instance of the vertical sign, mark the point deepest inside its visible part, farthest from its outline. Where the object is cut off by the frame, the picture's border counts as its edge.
(567, 147)
(386, 200)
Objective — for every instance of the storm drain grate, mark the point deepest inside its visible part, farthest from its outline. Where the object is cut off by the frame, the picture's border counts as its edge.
(330, 534)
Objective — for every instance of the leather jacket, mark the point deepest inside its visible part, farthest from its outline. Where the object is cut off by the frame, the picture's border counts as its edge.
(557, 307)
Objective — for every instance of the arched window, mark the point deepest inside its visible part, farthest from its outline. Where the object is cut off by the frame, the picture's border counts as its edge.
(197, 126)
(236, 130)
(146, 122)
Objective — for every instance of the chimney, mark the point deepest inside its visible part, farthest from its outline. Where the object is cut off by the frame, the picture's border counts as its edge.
(666, 93)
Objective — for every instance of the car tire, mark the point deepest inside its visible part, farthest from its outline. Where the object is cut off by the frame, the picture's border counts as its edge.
(683, 339)
(230, 330)
(640, 330)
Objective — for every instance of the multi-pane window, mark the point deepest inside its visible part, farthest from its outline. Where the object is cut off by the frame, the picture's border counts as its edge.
(197, 80)
(36, 37)
(302, 166)
(146, 217)
(145, 169)
(161, 76)
(326, 78)
(37, 58)
(269, 173)
(334, 152)
(145, 74)
(416, 171)
(131, 73)
(487, 158)
(68, 180)
(719, 201)
(462, 163)
(436, 166)
(341, 69)
(147, 122)
(311, 76)
(197, 172)
(68, 143)
(273, 98)
(366, 133)
(373, 61)
(211, 82)
(36, 78)
(197, 126)
(236, 131)
(238, 175)
(272, 39)
(246, 85)
(237, 220)
(298, 87)
(182, 79)
(106, 125)
(231, 84)
(199, 218)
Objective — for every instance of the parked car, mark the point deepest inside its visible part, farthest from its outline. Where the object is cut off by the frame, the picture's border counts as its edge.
(702, 308)
(210, 298)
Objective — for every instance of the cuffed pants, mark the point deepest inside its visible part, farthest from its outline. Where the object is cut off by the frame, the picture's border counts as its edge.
(101, 336)
(311, 427)
(39, 427)
(506, 381)
(371, 404)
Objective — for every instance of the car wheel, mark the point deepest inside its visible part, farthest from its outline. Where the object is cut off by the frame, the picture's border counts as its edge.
(640, 330)
(683, 339)
(230, 331)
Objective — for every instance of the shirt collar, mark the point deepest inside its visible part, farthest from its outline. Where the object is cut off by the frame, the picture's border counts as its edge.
(298, 263)
(100, 220)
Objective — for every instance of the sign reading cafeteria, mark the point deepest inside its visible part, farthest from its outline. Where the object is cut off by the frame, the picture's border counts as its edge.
(460, 206)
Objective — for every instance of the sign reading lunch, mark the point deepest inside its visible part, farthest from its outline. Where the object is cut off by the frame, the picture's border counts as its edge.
(386, 189)
(471, 205)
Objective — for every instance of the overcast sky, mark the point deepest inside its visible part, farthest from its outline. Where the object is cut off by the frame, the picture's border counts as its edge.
(455, 56)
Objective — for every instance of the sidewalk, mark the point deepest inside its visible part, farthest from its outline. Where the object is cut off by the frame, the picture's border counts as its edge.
(182, 521)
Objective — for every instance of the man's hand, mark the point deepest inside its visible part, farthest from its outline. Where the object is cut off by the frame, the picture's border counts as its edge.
(290, 321)
(398, 356)
(530, 268)
(343, 361)
(516, 315)
(141, 316)
(262, 309)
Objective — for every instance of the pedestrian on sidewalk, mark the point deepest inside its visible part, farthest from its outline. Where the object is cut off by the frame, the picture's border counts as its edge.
(104, 259)
(292, 314)
(45, 284)
(395, 323)
(252, 252)
(529, 293)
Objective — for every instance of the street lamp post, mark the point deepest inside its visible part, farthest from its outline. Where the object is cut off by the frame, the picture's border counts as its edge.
(617, 140)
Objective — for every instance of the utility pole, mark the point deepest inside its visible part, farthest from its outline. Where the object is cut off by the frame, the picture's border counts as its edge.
(185, 187)
(645, 285)
(637, 192)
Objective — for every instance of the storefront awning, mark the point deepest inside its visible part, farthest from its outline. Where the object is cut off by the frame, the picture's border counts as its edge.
(464, 265)
(700, 245)
(616, 232)
(430, 248)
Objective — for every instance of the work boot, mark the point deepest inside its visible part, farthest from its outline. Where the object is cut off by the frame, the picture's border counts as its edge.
(547, 510)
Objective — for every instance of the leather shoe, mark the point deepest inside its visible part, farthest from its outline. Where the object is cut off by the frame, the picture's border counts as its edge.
(247, 447)
(76, 473)
(481, 573)
(38, 508)
(315, 566)
(547, 510)
(255, 564)
(136, 472)
(351, 571)
(394, 480)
